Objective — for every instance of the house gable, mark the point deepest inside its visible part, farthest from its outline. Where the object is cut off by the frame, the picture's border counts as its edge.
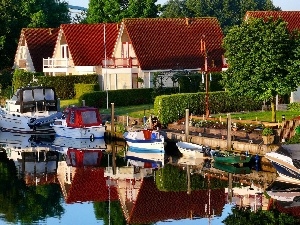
(175, 43)
(86, 42)
(34, 45)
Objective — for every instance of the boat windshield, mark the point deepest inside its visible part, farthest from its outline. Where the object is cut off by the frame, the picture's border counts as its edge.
(89, 117)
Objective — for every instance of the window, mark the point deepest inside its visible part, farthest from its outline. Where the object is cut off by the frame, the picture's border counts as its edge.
(22, 52)
(64, 51)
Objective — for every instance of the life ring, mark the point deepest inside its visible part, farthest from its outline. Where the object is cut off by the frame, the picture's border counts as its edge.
(92, 137)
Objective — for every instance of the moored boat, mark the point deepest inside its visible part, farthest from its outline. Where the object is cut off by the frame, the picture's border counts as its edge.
(147, 140)
(231, 158)
(80, 122)
(30, 110)
(286, 161)
(191, 150)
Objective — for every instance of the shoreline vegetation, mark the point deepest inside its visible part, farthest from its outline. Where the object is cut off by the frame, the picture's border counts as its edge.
(139, 111)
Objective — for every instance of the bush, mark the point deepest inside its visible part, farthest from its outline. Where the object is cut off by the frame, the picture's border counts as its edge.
(267, 131)
(295, 106)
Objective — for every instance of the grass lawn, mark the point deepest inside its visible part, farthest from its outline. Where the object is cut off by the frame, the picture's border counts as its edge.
(264, 116)
(139, 111)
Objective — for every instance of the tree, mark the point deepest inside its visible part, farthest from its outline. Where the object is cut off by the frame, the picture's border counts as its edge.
(263, 60)
(100, 11)
(18, 14)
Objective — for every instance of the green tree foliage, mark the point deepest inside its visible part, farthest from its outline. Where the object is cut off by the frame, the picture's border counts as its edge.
(244, 216)
(228, 12)
(115, 10)
(18, 14)
(264, 60)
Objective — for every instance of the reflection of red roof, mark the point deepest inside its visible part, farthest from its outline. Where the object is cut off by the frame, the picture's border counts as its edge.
(153, 205)
(175, 43)
(40, 42)
(89, 184)
(291, 17)
(86, 42)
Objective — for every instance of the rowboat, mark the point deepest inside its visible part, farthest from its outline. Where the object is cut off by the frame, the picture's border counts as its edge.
(191, 150)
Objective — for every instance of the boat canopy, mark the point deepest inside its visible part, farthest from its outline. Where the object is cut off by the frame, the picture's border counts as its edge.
(82, 117)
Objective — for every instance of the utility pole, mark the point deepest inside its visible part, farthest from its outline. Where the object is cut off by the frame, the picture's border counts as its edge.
(203, 50)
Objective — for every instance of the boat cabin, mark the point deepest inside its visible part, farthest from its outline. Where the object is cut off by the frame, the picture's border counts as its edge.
(32, 99)
(83, 157)
(82, 117)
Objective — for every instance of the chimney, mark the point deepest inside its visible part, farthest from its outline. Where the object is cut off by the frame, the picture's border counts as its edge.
(50, 31)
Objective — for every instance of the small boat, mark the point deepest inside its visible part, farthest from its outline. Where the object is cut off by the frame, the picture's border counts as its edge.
(230, 158)
(80, 122)
(231, 168)
(146, 140)
(285, 191)
(286, 161)
(191, 150)
(30, 110)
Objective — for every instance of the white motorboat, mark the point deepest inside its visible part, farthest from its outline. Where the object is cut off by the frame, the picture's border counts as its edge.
(30, 110)
(286, 161)
(80, 122)
(191, 150)
(147, 140)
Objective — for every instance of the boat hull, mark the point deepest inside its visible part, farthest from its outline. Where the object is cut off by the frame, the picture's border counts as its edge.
(18, 123)
(190, 149)
(145, 141)
(93, 132)
(232, 159)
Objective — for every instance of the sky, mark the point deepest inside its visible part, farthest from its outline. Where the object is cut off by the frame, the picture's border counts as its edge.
(283, 4)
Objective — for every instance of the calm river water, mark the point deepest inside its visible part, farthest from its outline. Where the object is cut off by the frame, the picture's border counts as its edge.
(46, 180)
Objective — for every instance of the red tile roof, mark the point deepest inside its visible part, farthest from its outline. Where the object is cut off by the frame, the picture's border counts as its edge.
(41, 42)
(153, 205)
(89, 184)
(291, 17)
(86, 42)
(175, 43)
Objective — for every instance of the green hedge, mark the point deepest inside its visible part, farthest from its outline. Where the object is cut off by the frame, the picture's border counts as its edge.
(170, 108)
(64, 85)
(81, 89)
(125, 97)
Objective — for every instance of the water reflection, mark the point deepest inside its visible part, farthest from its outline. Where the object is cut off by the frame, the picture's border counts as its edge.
(41, 177)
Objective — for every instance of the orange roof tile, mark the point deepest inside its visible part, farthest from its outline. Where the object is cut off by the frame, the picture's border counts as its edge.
(86, 42)
(41, 42)
(291, 17)
(175, 43)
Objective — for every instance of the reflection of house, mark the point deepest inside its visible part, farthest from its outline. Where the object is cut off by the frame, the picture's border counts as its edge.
(248, 196)
(80, 49)
(81, 184)
(34, 45)
(152, 205)
(37, 167)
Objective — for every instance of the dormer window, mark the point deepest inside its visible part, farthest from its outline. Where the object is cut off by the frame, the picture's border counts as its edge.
(64, 51)
(22, 52)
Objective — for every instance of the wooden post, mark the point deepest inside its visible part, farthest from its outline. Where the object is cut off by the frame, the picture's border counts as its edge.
(186, 124)
(83, 102)
(188, 179)
(112, 118)
(228, 132)
(230, 187)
